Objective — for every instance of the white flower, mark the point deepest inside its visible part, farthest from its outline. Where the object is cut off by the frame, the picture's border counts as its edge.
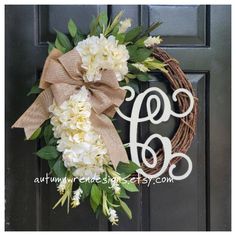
(113, 218)
(83, 150)
(115, 186)
(62, 186)
(76, 197)
(150, 41)
(100, 53)
(140, 66)
(124, 25)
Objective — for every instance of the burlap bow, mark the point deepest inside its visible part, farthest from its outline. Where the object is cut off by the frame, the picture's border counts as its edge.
(62, 77)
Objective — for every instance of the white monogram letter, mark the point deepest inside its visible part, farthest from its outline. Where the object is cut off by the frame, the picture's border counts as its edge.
(166, 143)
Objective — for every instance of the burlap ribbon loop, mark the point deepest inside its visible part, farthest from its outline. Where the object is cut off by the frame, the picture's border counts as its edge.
(62, 77)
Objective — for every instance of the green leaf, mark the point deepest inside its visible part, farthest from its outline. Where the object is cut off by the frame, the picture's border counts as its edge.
(103, 19)
(72, 28)
(98, 211)
(133, 69)
(129, 168)
(126, 209)
(96, 195)
(132, 34)
(50, 47)
(121, 38)
(52, 141)
(51, 163)
(130, 76)
(48, 153)
(106, 187)
(48, 133)
(78, 37)
(140, 42)
(134, 85)
(34, 90)
(94, 26)
(93, 205)
(86, 187)
(59, 46)
(114, 23)
(123, 193)
(154, 64)
(132, 50)
(143, 77)
(140, 54)
(59, 168)
(115, 30)
(131, 187)
(35, 134)
(152, 27)
(64, 41)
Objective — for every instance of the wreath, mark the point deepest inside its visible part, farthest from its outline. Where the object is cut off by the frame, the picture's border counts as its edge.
(79, 92)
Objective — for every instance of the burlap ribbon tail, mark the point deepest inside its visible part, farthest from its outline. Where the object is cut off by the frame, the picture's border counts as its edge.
(62, 77)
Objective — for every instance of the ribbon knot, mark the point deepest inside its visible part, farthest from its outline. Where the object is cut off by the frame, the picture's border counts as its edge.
(62, 76)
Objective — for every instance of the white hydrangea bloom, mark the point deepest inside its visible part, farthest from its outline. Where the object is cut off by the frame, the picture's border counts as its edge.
(100, 53)
(83, 150)
(113, 218)
(150, 41)
(140, 66)
(124, 25)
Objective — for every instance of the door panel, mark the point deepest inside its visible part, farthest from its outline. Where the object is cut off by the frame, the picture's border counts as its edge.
(196, 36)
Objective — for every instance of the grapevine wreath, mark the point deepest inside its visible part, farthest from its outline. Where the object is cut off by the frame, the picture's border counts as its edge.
(80, 90)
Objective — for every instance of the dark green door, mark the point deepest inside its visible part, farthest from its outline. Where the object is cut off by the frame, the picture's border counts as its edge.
(198, 37)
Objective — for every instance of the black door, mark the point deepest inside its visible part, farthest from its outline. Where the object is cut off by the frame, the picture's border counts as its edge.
(198, 36)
